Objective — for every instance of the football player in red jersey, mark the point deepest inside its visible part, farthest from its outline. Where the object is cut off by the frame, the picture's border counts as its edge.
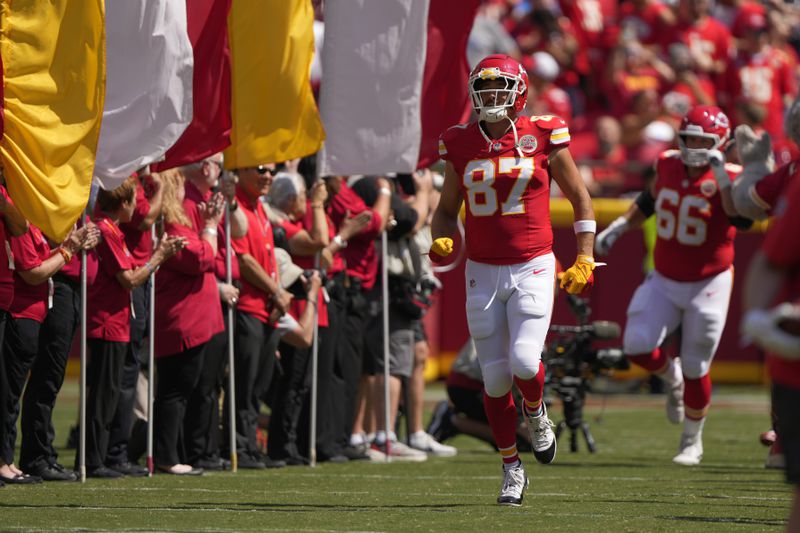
(501, 166)
(691, 284)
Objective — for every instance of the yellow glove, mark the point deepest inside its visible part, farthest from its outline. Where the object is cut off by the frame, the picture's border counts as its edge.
(577, 277)
(441, 248)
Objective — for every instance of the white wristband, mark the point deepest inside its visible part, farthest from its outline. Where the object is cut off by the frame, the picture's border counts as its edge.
(585, 226)
(339, 241)
(386, 191)
(211, 231)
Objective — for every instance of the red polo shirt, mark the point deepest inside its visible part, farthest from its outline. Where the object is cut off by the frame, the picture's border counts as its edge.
(108, 302)
(140, 243)
(259, 243)
(360, 255)
(6, 261)
(29, 250)
(299, 305)
(191, 204)
(188, 311)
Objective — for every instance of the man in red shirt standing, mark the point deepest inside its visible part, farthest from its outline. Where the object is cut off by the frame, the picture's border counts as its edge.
(691, 284)
(775, 271)
(261, 302)
(501, 166)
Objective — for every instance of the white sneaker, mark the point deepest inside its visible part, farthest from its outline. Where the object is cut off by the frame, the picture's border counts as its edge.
(775, 457)
(514, 484)
(400, 452)
(690, 450)
(675, 409)
(426, 443)
(543, 439)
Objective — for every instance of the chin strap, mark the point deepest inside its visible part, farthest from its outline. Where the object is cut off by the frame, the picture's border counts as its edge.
(490, 142)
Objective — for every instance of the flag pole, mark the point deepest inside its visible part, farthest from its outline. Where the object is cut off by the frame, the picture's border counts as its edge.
(312, 439)
(231, 375)
(151, 347)
(385, 302)
(82, 385)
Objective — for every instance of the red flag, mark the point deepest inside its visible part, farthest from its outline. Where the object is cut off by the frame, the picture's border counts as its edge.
(445, 101)
(210, 129)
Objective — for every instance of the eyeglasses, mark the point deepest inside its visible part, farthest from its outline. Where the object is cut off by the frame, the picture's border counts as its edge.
(262, 170)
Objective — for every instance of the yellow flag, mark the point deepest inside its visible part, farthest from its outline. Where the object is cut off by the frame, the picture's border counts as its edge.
(274, 114)
(54, 58)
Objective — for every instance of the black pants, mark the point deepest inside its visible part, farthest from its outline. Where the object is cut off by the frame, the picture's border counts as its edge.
(135, 361)
(4, 317)
(47, 376)
(330, 387)
(291, 398)
(785, 400)
(254, 362)
(177, 377)
(19, 353)
(349, 357)
(201, 424)
(103, 379)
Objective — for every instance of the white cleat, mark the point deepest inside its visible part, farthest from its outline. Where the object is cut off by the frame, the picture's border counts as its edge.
(426, 443)
(514, 484)
(543, 439)
(691, 450)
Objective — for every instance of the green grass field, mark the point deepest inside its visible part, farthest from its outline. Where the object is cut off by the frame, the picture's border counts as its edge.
(630, 484)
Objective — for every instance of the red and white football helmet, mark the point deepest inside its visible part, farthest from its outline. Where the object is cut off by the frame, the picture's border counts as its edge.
(705, 121)
(503, 67)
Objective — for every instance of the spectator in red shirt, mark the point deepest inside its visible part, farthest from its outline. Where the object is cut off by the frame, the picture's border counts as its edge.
(139, 240)
(184, 284)
(261, 303)
(38, 456)
(201, 435)
(109, 317)
(34, 264)
(11, 223)
(545, 97)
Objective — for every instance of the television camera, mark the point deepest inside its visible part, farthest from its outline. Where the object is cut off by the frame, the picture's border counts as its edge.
(572, 363)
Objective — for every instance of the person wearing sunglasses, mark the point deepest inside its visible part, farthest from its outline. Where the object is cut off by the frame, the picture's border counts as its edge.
(261, 303)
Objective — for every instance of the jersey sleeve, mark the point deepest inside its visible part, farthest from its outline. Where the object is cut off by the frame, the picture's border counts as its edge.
(23, 249)
(783, 232)
(555, 131)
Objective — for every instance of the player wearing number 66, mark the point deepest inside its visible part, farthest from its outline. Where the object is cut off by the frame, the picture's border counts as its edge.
(691, 285)
(500, 166)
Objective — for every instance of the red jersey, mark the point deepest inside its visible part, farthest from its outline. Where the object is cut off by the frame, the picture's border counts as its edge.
(258, 243)
(507, 197)
(185, 285)
(140, 243)
(645, 23)
(298, 305)
(780, 248)
(694, 235)
(766, 192)
(108, 302)
(29, 250)
(765, 79)
(6, 262)
(708, 37)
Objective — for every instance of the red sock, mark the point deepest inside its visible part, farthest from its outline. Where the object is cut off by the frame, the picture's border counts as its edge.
(697, 397)
(532, 389)
(502, 415)
(655, 361)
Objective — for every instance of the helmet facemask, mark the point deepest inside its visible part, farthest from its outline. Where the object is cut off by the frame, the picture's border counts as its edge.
(494, 111)
(697, 157)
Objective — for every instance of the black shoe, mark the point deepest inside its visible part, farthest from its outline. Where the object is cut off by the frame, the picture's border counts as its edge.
(52, 472)
(21, 479)
(356, 453)
(295, 460)
(211, 464)
(245, 461)
(335, 459)
(274, 463)
(102, 472)
(441, 426)
(130, 469)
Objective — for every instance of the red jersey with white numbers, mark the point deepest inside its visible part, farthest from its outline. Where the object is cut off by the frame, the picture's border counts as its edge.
(694, 235)
(507, 197)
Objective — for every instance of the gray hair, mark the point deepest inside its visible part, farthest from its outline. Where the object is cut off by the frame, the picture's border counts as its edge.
(285, 188)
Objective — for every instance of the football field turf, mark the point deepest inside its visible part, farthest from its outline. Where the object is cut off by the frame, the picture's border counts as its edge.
(630, 484)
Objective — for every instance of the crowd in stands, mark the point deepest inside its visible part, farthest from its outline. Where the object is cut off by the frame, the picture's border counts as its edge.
(624, 73)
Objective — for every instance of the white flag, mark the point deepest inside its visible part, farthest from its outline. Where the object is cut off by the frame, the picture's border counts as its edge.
(148, 85)
(373, 58)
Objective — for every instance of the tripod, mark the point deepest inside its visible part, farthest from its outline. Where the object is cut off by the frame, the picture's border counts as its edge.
(572, 391)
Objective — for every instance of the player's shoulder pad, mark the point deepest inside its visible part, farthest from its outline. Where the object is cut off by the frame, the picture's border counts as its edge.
(448, 135)
(548, 122)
